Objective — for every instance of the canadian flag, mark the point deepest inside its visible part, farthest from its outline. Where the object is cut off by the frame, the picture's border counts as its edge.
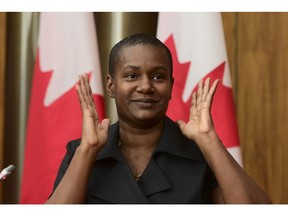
(197, 44)
(67, 47)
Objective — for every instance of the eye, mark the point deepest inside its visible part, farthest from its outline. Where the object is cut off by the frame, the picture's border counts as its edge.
(158, 77)
(131, 76)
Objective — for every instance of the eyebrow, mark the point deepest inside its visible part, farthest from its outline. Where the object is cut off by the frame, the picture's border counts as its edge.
(138, 68)
(131, 67)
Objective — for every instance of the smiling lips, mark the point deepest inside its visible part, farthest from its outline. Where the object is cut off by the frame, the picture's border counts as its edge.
(145, 102)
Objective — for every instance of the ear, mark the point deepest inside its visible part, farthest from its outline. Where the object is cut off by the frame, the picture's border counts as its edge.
(110, 85)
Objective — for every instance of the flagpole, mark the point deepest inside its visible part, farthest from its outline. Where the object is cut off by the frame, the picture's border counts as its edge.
(2, 85)
(18, 72)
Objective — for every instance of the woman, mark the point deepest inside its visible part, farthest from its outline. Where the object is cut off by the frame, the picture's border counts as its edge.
(145, 157)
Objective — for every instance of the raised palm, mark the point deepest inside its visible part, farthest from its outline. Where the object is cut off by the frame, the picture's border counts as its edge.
(94, 132)
(200, 120)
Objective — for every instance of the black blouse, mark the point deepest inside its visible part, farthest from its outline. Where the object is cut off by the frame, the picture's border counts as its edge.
(176, 173)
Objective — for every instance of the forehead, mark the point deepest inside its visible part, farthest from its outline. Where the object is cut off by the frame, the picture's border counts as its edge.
(143, 53)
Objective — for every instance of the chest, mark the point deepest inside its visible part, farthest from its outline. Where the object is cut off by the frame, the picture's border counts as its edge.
(166, 179)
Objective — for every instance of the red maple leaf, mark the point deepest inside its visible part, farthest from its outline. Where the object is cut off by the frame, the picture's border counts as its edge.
(177, 108)
(49, 129)
(223, 113)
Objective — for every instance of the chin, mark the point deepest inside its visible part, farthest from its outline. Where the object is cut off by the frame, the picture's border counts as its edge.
(150, 119)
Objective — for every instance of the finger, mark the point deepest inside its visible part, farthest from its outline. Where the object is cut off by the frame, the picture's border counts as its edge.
(88, 89)
(103, 129)
(83, 89)
(206, 88)
(181, 125)
(85, 94)
(96, 118)
(88, 96)
(193, 105)
(212, 91)
(82, 102)
(199, 92)
(104, 124)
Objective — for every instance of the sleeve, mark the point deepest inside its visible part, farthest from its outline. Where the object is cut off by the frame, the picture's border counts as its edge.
(71, 148)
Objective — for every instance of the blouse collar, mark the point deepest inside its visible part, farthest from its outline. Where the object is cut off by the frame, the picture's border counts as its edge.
(171, 142)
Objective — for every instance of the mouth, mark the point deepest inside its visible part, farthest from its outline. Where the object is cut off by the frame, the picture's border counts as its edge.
(145, 102)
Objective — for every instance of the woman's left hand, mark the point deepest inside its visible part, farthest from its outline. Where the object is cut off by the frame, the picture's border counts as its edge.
(200, 120)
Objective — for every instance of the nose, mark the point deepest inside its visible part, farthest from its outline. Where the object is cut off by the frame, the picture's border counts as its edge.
(145, 85)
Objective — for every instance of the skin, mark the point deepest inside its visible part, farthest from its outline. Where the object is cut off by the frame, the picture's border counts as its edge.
(142, 88)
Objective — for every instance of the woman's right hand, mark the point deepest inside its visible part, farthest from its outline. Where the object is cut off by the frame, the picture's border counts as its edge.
(94, 132)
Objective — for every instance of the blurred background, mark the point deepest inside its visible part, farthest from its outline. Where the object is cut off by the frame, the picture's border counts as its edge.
(257, 47)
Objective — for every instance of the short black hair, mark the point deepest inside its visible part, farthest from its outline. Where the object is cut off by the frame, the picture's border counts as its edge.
(132, 40)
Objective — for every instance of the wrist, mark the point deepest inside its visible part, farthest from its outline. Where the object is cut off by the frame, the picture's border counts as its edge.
(88, 152)
(207, 139)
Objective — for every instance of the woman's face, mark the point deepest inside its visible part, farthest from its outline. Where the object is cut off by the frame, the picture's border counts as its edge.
(142, 84)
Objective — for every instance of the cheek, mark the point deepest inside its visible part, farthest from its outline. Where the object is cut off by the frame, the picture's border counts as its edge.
(125, 89)
(165, 91)
(122, 94)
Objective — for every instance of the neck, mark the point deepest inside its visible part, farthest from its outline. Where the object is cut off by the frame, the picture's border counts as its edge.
(138, 144)
(140, 138)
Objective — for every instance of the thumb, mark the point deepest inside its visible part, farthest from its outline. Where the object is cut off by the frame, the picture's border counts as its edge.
(105, 124)
(103, 130)
(181, 124)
